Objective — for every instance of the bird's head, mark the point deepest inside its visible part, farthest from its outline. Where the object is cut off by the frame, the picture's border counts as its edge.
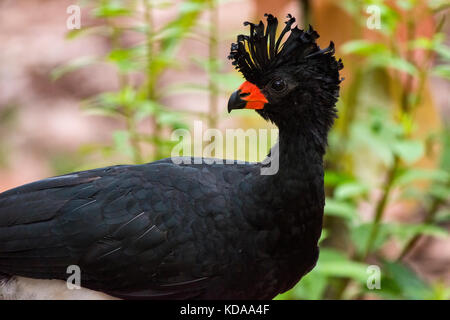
(288, 81)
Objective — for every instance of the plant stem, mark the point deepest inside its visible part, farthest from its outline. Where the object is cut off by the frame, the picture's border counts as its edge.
(212, 69)
(428, 219)
(379, 211)
(151, 80)
(406, 106)
(134, 138)
(405, 102)
(436, 202)
(380, 208)
(128, 114)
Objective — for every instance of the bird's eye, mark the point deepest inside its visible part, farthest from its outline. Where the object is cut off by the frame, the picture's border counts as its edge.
(278, 85)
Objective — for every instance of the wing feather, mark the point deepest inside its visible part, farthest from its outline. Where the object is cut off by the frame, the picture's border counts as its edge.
(117, 223)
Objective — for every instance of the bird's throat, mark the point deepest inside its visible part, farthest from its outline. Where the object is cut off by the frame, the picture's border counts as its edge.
(298, 181)
(300, 163)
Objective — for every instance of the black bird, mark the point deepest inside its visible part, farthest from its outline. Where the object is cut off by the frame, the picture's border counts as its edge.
(194, 231)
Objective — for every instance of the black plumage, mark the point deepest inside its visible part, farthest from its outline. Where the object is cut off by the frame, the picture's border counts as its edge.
(206, 231)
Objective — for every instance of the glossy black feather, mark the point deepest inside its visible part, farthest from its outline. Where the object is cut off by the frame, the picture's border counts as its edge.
(220, 231)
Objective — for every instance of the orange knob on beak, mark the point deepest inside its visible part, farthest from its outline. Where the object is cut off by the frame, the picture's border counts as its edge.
(248, 96)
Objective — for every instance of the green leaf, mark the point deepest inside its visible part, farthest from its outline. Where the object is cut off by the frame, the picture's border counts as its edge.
(389, 17)
(393, 62)
(311, 287)
(112, 8)
(172, 119)
(105, 104)
(333, 263)
(339, 209)
(88, 30)
(147, 108)
(369, 137)
(127, 97)
(350, 190)
(73, 65)
(93, 111)
(169, 33)
(323, 235)
(333, 178)
(443, 51)
(182, 25)
(442, 71)
(440, 292)
(360, 236)
(408, 150)
(122, 142)
(413, 174)
(440, 191)
(407, 283)
(405, 231)
(427, 43)
(124, 59)
(162, 62)
(331, 255)
(363, 47)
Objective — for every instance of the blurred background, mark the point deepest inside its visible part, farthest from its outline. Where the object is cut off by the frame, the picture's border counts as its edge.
(114, 90)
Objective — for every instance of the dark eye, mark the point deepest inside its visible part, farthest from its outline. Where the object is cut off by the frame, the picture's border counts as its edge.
(278, 85)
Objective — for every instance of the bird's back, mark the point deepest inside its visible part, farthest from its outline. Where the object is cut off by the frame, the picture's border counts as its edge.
(153, 230)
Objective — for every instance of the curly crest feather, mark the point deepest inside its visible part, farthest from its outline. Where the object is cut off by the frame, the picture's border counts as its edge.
(262, 52)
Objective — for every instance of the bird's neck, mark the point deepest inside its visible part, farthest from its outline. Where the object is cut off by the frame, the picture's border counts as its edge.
(292, 200)
(296, 190)
(295, 193)
(300, 164)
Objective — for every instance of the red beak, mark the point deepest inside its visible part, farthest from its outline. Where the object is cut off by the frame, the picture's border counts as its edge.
(248, 96)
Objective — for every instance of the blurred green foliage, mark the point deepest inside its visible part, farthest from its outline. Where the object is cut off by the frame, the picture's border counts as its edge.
(150, 57)
(8, 119)
(376, 128)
